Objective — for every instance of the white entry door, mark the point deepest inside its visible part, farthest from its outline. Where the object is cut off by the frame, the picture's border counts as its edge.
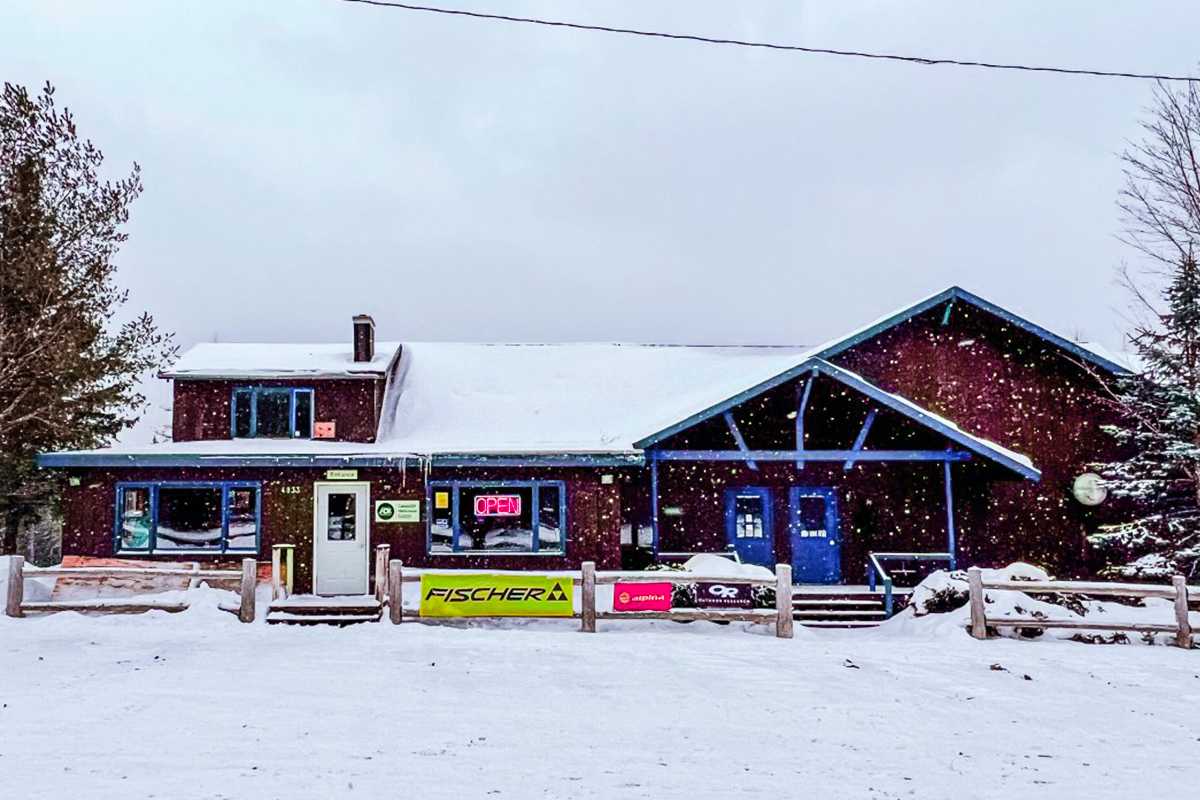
(340, 538)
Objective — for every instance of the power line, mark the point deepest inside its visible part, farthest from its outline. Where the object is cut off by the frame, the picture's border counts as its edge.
(931, 62)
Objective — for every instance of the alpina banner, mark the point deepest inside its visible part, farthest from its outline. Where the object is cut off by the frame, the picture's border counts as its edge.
(486, 595)
(641, 597)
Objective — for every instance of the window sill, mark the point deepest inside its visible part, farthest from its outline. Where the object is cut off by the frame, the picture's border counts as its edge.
(497, 553)
(167, 553)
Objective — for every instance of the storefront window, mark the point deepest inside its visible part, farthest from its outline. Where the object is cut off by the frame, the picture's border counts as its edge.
(194, 518)
(507, 517)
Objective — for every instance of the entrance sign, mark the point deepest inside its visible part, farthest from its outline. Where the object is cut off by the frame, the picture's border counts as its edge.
(641, 597)
(341, 474)
(498, 505)
(724, 595)
(397, 510)
(485, 595)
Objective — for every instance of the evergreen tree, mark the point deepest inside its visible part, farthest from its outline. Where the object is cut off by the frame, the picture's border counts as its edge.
(1160, 427)
(68, 371)
(1159, 408)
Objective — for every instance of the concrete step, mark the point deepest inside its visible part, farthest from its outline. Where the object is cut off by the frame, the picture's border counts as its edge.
(337, 620)
(828, 613)
(837, 623)
(804, 602)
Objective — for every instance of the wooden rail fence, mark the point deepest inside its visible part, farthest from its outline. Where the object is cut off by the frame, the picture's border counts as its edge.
(16, 605)
(1178, 591)
(589, 578)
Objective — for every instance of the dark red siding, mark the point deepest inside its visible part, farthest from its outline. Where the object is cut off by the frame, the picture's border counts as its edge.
(593, 514)
(203, 408)
(1007, 385)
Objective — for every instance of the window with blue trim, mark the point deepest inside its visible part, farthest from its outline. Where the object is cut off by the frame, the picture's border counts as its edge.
(177, 517)
(497, 517)
(272, 411)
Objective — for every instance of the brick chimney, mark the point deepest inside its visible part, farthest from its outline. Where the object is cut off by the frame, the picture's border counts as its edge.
(364, 338)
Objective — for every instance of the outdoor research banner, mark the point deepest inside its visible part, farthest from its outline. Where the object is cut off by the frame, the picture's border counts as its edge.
(486, 595)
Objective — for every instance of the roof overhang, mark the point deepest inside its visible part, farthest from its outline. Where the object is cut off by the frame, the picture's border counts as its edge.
(103, 459)
(958, 294)
(816, 366)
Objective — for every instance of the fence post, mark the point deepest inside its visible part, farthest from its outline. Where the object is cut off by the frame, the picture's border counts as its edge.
(276, 584)
(978, 617)
(587, 603)
(249, 579)
(383, 553)
(1183, 637)
(783, 601)
(396, 590)
(16, 586)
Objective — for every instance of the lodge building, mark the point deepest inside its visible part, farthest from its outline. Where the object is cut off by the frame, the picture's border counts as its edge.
(951, 426)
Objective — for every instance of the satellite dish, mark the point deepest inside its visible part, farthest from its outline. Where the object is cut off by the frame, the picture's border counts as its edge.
(1090, 489)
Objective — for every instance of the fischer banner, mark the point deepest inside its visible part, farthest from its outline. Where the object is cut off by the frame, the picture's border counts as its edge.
(641, 597)
(487, 595)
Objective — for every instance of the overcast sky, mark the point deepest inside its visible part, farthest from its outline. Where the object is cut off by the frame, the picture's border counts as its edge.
(306, 160)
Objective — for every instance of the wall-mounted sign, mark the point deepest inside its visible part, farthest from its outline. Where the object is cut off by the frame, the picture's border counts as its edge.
(483, 595)
(341, 474)
(641, 597)
(324, 430)
(397, 510)
(724, 595)
(498, 505)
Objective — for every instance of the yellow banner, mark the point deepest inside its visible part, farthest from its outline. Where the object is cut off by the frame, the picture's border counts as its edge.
(486, 595)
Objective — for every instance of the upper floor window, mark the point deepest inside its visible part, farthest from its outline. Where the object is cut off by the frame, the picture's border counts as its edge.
(273, 411)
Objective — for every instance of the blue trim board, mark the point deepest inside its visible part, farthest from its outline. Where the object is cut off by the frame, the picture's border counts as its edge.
(737, 437)
(811, 455)
(102, 459)
(956, 293)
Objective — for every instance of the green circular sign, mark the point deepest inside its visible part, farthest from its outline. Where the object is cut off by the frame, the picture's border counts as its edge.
(385, 511)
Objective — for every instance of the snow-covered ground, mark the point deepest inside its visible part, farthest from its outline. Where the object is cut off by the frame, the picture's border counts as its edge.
(198, 705)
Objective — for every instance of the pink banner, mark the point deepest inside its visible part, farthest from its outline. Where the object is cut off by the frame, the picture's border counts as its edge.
(641, 597)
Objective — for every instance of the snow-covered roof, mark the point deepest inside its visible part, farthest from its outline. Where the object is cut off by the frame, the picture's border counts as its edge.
(251, 361)
(452, 397)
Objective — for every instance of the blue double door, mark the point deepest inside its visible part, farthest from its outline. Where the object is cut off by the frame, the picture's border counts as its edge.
(812, 526)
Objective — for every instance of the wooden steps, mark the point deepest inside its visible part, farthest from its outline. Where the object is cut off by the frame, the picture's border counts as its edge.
(838, 606)
(314, 610)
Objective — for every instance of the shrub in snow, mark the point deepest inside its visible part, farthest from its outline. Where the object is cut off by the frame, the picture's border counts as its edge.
(944, 591)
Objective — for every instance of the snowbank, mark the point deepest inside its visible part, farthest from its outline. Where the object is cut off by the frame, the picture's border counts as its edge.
(938, 607)
(714, 566)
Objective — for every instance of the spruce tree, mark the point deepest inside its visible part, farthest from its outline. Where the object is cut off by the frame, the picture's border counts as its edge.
(68, 371)
(1160, 429)
(1159, 409)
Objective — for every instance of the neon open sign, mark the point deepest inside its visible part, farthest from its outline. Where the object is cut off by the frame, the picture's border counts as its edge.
(498, 505)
